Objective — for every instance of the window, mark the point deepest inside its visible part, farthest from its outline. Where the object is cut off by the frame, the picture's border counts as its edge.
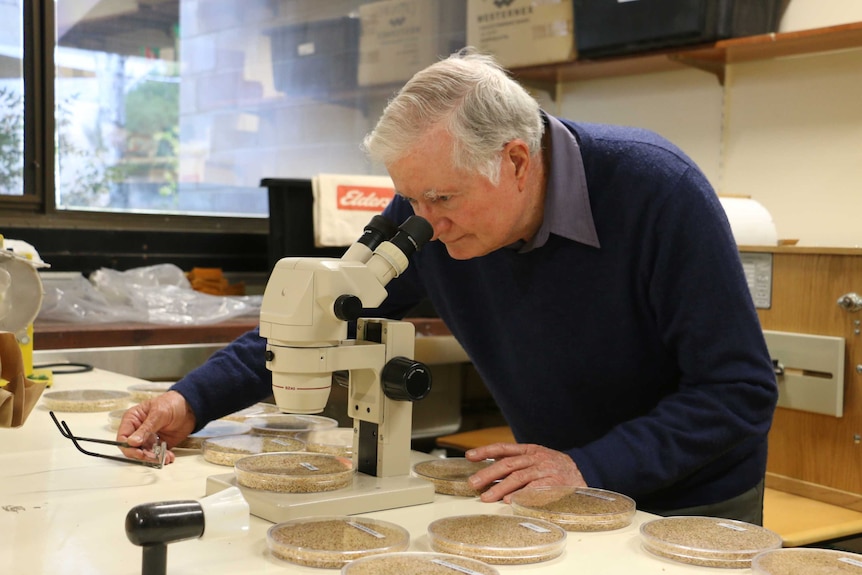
(160, 109)
(11, 98)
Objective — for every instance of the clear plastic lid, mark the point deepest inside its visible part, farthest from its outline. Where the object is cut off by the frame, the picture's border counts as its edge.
(216, 428)
(230, 448)
(335, 441)
(86, 400)
(708, 541)
(330, 542)
(807, 561)
(418, 562)
(575, 508)
(449, 475)
(498, 539)
(255, 410)
(289, 423)
(300, 472)
(142, 391)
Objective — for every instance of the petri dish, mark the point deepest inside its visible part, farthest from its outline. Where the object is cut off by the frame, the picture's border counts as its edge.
(498, 539)
(212, 429)
(86, 400)
(294, 472)
(332, 541)
(255, 410)
(227, 450)
(418, 562)
(148, 390)
(807, 561)
(575, 508)
(449, 475)
(289, 423)
(336, 441)
(114, 418)
(707, 541)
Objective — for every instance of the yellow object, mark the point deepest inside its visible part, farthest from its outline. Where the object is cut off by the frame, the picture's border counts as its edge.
(20, 296)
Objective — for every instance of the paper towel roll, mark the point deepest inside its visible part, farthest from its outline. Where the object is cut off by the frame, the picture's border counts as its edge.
(751, 223)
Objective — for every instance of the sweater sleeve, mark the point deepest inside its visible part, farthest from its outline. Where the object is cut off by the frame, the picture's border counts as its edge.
(722, 406)
(234, 378)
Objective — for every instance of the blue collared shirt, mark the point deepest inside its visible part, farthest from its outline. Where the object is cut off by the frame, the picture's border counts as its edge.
(567, 202)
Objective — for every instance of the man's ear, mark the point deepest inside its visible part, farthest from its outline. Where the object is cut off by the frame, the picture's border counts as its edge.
(517, 154)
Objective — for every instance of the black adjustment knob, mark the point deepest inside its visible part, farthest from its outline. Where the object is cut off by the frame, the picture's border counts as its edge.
(405, 379)
(347, 307)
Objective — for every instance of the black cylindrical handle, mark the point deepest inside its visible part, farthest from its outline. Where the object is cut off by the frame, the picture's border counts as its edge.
(166, 522)
(404, 379)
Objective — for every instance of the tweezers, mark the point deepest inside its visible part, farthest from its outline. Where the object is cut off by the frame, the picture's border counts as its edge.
(159, 449)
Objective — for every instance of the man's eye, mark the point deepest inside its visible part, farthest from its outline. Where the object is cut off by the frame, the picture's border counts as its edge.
(434, 199)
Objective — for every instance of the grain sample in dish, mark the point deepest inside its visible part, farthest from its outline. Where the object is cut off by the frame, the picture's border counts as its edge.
(148, 390)
(114, 418)
(707, 541)
(289, 424)
(336, 441)
(575, 508)
(498, 539)
(255, 410)
(212, 429)
(229, 449)
(86, 400)
(332, 541)
(807, 561)
(301, 472)
(410, 562)
(449, 475)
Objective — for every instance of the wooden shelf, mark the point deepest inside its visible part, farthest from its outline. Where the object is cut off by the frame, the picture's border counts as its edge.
(712, 58)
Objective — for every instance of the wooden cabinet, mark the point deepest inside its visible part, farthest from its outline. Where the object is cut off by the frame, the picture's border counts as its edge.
(810, 454)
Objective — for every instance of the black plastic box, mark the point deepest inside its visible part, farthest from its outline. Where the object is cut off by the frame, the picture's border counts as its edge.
(616, 27)
(291, 221)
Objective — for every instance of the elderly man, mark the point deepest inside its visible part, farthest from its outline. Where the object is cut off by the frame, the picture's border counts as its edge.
(590, 274)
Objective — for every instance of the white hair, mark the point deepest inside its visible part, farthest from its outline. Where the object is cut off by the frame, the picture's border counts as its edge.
(474, 98)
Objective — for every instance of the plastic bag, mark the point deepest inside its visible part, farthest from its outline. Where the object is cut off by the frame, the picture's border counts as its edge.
(158, 294)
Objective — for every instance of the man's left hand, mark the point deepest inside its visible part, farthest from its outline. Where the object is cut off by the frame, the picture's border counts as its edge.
(519, 465)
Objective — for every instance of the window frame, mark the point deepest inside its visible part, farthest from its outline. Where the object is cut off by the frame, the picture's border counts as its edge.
(37, 208)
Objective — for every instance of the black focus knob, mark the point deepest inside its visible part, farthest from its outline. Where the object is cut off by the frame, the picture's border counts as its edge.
(405, 379)
(347, 307)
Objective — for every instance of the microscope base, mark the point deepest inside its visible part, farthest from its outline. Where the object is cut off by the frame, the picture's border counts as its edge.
(367, 494)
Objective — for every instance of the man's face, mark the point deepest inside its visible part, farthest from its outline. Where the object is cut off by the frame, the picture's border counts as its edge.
(469, 214)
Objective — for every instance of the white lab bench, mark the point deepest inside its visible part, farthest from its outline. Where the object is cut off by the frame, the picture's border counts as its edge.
(64, 512)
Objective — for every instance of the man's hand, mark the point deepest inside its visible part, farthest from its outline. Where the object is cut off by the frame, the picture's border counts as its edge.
(519, 465)
(167, 416)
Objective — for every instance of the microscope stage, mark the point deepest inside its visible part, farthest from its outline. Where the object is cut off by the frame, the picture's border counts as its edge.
(365, 495)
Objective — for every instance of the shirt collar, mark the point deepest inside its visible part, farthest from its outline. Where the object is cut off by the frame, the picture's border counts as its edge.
(567, 210)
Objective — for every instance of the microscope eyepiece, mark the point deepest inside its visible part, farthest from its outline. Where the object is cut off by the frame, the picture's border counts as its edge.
(377, 231)
(413, 234)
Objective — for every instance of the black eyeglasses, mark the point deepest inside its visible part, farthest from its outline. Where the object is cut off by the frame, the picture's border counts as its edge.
(160, 449)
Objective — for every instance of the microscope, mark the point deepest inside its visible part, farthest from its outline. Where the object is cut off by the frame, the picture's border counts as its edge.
(307, 306)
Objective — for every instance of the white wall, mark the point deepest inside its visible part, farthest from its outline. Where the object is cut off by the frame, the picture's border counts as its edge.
(787, 132)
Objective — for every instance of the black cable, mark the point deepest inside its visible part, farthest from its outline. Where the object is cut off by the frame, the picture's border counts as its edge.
(65, 367)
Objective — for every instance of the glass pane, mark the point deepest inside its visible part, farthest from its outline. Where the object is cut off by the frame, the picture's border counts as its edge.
(184, 106)
(11, 98)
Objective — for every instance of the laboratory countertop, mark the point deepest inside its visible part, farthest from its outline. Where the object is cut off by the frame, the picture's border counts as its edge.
(56, 335)
(64, 512)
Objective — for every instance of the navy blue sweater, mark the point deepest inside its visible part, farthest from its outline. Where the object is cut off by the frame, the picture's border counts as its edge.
(642, 359)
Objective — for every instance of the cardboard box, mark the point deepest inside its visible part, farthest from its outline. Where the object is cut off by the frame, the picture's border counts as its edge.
(522, 32)
(400, 37)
